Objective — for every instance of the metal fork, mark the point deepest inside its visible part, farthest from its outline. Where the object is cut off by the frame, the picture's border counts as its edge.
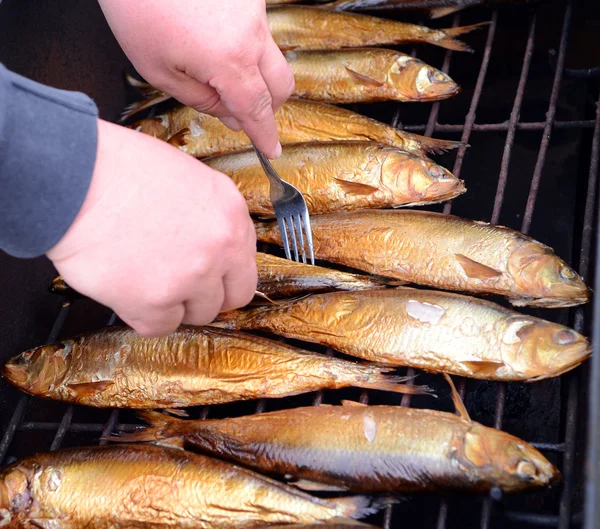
(290, 211)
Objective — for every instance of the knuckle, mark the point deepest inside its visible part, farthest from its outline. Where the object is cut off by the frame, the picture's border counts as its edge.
(261, 108)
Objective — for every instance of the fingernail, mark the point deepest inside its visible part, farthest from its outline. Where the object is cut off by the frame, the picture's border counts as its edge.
(278, 150)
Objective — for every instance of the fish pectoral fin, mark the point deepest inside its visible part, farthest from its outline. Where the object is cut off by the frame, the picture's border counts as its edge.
(178, 139)
(306, 484)
(177, 412)
(458, 402)
(356, 188)
(483, 367)
(363, 79)
(89, 389)
(353, 404)
(439, 12)
(474, 269)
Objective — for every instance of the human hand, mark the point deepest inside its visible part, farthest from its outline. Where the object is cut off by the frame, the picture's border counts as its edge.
(161, 238)
(217, 56)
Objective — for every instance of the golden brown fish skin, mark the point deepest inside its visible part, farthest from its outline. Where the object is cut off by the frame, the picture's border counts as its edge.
(297, 121)
(426, 329)
(444, 251)
(364, 75)
(278, 278)
(342, 176)
(306, 27)
(116, 367)
(143, 486)
(368, 449)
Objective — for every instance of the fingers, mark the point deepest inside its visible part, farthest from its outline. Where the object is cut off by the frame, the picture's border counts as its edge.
(247, 98)
(199, 96)
(205, 303)
(277, 74)
(153, 322)
(240, 286)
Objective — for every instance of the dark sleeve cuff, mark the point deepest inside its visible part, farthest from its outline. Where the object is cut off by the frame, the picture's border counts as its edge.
(48, 141)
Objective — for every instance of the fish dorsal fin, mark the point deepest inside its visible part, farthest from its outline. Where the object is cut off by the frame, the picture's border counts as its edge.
(476, 270)
(89, 389)
(356, 188)
(458, 403)
(353, 404)
(363, 79)
(178, 139)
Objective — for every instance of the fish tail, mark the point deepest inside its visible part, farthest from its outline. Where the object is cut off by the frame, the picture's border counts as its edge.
(362, 506)
(161, 427)
(436, 145)
(396, 384)
(450, 43)
(152, 98)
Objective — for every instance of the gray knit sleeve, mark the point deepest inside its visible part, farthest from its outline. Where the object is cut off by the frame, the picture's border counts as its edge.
(48, 141)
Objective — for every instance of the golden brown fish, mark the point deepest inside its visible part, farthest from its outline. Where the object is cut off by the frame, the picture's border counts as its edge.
(342, 176)
(446, 252)
(298, 121)
(426, 329)
(116, 367)
(364, 75)
(369, 449)
(279, 278)
(143, 486)
(305, 27)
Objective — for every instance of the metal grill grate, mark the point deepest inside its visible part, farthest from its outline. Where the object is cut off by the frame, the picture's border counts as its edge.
(492, 511)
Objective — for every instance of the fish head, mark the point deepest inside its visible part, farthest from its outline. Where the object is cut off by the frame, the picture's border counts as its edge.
(550, 281)
(538, 349)
(506, 461)
(418, 180)
(39, 370)
(418, 81)
(16, 502)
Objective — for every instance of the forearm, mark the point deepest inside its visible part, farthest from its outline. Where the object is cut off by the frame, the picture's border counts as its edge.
(48, 141)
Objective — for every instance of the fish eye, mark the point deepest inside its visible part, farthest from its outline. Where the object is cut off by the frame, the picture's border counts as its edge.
(439, 76)
(435, 171)
(526, 470)
(564, 337)
(27, 355)
(567, 273)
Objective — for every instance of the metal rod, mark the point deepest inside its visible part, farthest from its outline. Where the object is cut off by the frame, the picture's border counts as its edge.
(504, 126)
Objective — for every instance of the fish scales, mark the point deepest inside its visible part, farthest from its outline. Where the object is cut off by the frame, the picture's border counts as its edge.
(372, 449)
(446, 252)
(430, 330)
(149, 486)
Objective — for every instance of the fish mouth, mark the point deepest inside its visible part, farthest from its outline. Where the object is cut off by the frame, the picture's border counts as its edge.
(439, 91)
(575, 355)
(445, 189)
(14, 373)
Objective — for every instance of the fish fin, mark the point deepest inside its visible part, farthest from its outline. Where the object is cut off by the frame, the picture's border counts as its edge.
(89, 389)
(437, 146)
(384, 382)
(363, 79)
(306, 484)
(474, 269)
(458, 402)
(450, 43)
(152, 100)
(138, 83)
(394, 283)
(264, 296)
(353, 404)
(160, 429)
(361, 506)
(177, 412)
(178, 139)
(483, 367)
(439, 12)
(356, 188)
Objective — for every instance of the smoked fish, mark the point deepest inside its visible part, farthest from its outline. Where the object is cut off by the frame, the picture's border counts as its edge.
(342, 176)
(278, 278)
(154, 487)
(297, 120)
(426, 329)
(116, 367)
(365, 75)
(444, 251)
(367, 449)
(306, 27)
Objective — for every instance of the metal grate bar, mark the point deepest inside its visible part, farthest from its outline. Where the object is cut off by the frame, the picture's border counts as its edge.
(593, 475)
(504, 126)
